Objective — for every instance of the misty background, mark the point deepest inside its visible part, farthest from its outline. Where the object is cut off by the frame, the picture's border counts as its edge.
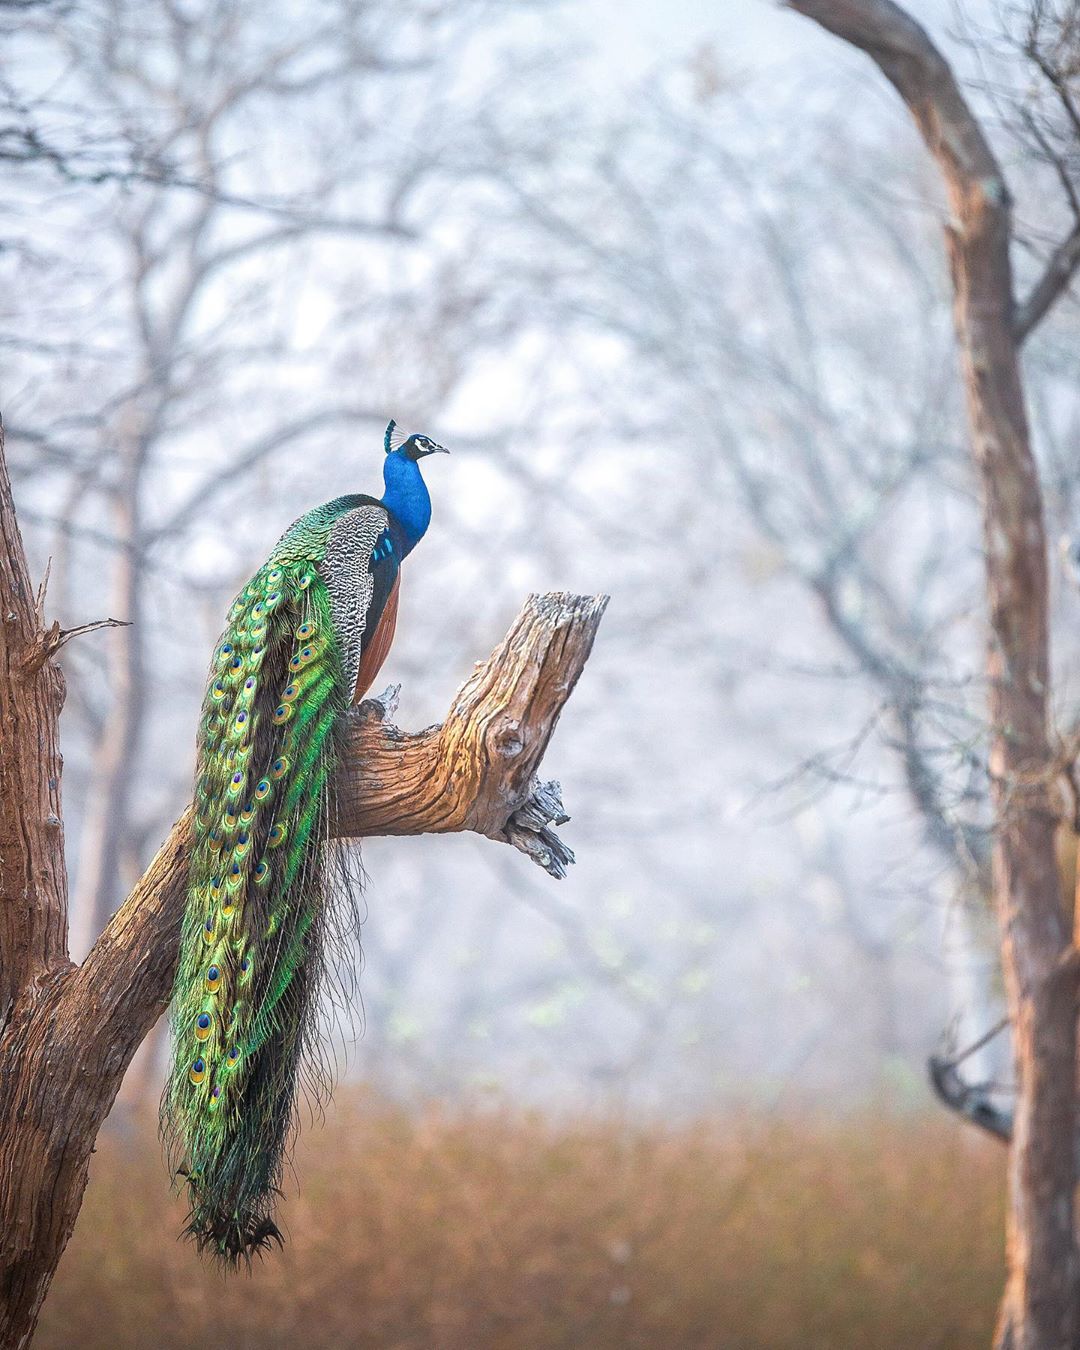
(672, 288)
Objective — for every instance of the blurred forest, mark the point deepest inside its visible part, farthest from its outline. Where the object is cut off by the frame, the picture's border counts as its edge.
(502, 1230)
(683, 318)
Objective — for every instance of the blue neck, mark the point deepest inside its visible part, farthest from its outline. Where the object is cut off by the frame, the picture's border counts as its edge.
(406, 497)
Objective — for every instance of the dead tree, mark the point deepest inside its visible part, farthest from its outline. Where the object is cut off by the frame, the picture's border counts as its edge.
(1040, 1307)
(67, 1032)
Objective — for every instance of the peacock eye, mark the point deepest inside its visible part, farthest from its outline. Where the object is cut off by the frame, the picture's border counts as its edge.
(197, 1072)
(262, 789)
(279, 768)
(202, 1026)
(213, 978)
(234, 1054)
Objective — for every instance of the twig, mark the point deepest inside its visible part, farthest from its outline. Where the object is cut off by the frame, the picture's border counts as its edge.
(1059, 272)
(50, 640)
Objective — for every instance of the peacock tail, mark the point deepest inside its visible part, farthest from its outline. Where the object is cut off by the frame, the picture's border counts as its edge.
(252, 947)
(268, 899)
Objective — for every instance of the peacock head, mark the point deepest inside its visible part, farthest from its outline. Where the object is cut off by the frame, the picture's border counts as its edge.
(414, 448)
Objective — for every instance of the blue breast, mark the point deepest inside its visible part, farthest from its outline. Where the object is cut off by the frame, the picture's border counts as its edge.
(406, 498)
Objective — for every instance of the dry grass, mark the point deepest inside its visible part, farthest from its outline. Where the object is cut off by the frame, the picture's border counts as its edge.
(464, 1232)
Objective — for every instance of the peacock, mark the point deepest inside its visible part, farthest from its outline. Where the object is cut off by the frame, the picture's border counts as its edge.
(305, 638)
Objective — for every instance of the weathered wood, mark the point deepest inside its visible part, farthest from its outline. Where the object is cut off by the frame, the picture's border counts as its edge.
(33, 879)
(1040, 1307)
(474, 772)
(70, 1032)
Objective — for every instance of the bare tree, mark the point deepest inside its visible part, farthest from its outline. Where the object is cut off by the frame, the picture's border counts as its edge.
(1040, 1308)
(710, 261)
(841, 489)
(681, 248)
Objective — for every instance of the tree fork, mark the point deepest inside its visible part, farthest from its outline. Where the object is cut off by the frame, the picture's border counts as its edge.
(68, 1033)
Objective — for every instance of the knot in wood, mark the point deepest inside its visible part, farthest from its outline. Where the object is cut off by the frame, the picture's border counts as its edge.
(507, 740)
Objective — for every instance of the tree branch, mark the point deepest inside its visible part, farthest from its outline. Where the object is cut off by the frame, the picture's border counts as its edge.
(922, 77)
(476, 771)
(48, 641)
(969, 1100)
(1053, 283)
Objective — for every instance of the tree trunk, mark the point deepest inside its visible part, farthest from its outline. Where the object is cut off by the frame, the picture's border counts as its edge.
(1040, 1307)
(68, 1033)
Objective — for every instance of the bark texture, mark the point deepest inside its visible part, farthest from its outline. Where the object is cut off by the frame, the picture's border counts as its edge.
(1039, 1309)
(33, 880)
(68, 1033)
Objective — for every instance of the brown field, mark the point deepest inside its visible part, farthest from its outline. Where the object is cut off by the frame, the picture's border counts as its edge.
(459, 1231)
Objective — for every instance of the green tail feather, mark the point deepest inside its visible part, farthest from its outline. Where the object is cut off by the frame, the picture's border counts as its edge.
(254, 929)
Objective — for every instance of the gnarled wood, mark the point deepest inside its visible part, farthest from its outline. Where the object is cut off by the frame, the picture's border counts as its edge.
(70, 1032)
(473, 772)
